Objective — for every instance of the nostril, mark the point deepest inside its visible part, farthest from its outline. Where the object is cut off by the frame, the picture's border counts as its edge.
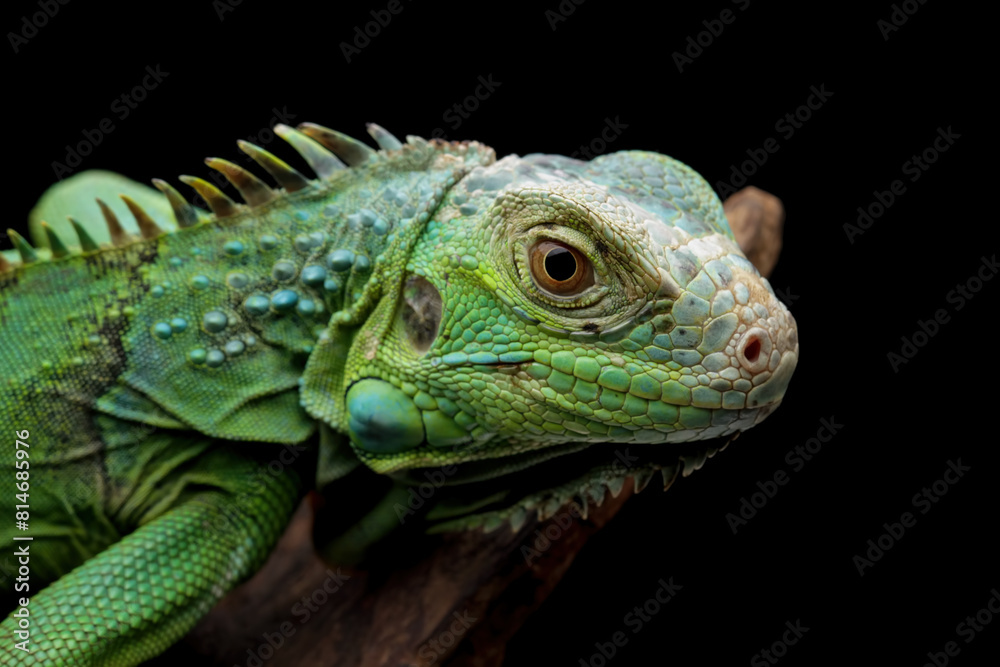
(754, 350)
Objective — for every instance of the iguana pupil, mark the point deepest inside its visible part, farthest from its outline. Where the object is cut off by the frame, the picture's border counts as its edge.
(560, 264)
(560, 269)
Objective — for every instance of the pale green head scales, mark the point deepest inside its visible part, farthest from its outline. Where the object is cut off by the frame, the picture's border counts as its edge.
(551, 304)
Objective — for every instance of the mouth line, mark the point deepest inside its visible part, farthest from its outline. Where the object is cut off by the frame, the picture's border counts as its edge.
(555, 465)
(584, 477)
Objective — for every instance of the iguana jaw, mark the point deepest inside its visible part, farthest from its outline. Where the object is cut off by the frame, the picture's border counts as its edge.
(574, 482)
(676, 339)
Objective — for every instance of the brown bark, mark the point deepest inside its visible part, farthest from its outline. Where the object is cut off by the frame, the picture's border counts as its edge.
(756, 218)
(421, 614)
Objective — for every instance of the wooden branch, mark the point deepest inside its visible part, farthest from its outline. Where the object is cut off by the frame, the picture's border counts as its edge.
(459, 604)
(456, 604)
(756, 218)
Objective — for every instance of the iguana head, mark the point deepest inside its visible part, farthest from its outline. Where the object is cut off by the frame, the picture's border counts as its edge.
(552, 304)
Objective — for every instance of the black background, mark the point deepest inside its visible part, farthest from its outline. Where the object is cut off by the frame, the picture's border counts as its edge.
(853, 301)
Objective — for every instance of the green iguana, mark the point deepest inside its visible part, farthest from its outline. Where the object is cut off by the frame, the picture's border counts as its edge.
(169, 397)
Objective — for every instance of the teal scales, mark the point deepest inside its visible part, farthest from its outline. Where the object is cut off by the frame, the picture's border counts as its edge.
(410, 307)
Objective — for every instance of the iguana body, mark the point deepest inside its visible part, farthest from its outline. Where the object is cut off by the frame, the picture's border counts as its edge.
(425, 306)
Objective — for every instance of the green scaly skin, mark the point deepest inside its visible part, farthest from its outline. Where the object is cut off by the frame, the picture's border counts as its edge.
(386, 313)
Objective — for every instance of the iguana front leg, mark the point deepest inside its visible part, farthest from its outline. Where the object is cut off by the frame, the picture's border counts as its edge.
(142, 594)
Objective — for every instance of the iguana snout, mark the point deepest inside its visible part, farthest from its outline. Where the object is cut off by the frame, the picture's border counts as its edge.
(553, 303)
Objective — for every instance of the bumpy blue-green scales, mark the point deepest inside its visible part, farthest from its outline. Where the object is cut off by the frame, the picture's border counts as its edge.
(400, 311)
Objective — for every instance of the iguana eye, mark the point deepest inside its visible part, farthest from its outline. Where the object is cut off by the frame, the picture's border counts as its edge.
(560, 269)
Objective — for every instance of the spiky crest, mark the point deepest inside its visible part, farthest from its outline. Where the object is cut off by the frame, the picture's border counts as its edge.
(319, 146)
